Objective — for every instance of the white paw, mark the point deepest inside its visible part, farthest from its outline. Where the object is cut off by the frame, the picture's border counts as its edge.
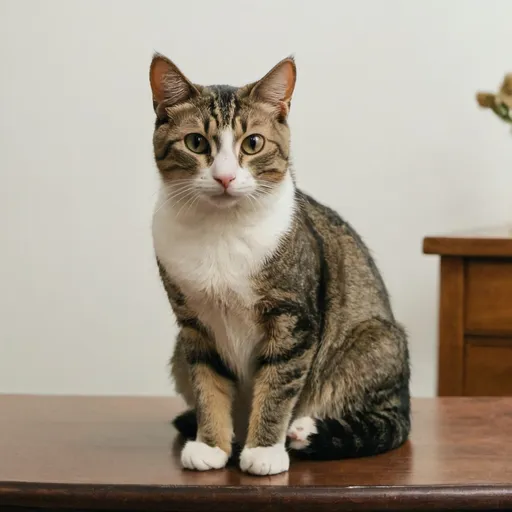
(299, 432)
(265, 460)
(201, 457)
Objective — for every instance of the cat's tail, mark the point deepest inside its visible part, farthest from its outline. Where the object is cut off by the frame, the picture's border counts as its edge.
(186, 424)
(356, 435)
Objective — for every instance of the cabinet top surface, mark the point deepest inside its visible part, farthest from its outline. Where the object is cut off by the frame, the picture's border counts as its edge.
(96, 448)
(496, 241)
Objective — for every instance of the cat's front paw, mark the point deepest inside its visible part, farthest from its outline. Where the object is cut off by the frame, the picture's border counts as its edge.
(265, 460)
(201, 457)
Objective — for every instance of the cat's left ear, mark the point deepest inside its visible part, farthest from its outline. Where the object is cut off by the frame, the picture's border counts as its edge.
(276, 87)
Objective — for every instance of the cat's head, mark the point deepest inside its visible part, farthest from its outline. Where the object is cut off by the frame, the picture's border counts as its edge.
(221, 146)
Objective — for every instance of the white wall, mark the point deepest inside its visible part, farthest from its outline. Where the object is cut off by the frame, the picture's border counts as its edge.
(385, 129)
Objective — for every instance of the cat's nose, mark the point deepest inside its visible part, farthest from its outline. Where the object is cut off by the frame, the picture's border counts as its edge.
(225, 180)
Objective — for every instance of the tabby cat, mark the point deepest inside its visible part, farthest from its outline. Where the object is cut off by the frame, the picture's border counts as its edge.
(287, 341)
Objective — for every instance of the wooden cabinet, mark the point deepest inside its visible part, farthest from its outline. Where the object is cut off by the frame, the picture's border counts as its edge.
(489, 296)
(475, 312)
(488, 366)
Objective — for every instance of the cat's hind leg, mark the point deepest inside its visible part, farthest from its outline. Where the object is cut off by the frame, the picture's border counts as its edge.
(300, 431)
(363, 396)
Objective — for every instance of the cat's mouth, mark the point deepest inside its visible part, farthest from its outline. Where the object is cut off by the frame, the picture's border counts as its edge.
(223, 200)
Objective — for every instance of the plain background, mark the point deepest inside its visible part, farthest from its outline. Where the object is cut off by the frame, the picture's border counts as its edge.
(385, 129)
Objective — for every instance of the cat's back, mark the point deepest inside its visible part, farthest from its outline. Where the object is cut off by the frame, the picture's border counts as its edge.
(353, 275)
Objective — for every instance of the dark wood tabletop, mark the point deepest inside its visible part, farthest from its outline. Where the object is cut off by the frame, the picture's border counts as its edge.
(91, 453)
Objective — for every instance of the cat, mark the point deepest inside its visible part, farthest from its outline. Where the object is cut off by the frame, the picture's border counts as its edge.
(287, 342)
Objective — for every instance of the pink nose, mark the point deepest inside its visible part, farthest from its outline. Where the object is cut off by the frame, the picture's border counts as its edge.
(225, 180)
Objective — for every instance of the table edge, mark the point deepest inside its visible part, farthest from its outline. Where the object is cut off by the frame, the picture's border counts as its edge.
(225, 498)
(452, 246)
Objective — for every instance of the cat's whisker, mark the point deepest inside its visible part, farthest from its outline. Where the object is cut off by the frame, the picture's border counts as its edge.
(185, 197)
(194, 201)
(179, 180)
(253, 201)
(261, 194)
(258, 201)
(161, 206)
(187, 202)
(179, 183)
(265, 191)
(181, 192)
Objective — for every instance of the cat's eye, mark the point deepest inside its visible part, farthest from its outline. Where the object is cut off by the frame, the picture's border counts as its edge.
(197, 143)
(253, 144)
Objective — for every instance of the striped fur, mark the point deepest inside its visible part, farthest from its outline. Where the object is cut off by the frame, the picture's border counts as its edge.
(282, 310)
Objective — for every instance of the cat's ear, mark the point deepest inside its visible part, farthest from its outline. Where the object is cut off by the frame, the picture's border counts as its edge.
(276, 87)
(169, 85)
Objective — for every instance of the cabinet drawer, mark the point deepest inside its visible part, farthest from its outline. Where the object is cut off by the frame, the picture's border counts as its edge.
(488, 367)
(489, 296)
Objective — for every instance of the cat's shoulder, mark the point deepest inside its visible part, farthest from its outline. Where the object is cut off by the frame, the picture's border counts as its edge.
(316, 211)
(327, 221)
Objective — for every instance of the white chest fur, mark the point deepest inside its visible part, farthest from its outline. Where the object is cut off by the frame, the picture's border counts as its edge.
(212, 257)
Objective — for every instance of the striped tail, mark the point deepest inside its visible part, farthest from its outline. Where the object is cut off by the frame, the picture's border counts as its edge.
(357, 435)
(186, 424)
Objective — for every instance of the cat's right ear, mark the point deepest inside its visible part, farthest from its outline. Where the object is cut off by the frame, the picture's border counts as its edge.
(168, 84)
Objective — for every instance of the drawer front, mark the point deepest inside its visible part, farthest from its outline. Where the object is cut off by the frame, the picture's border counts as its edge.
(489, 296)
(488, 367)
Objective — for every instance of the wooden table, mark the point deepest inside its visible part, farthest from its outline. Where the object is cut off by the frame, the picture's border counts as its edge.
(122, 454)
(475, 312)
